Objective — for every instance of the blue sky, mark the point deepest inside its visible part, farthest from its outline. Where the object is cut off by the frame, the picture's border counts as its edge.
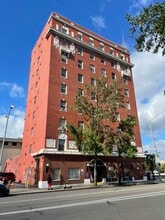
(21, 24)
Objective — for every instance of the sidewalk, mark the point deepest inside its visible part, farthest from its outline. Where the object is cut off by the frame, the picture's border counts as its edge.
(21, 189)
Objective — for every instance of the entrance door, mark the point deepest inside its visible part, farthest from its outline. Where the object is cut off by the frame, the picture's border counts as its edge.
(101, 169)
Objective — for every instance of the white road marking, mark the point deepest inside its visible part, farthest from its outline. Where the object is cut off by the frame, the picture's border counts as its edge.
(115, 190)
(85, 203)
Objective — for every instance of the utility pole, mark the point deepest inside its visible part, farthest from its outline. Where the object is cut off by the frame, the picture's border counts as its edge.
(3, 141)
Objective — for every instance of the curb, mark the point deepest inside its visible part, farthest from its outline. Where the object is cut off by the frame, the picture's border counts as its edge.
(21, 190)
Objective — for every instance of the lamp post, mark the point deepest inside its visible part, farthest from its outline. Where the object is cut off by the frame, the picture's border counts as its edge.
(157, 159)
(3, 141)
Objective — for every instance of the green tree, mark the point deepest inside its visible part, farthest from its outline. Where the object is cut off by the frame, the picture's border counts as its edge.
(150, 163)
(77, 133)
(162, 167)
(122, 141)
(98, 106)
(148, 28)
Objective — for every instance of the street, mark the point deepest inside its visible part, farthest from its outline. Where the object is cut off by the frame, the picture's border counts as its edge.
(141, 202)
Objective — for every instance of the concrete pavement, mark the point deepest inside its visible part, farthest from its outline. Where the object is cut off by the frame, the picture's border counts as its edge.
(21, 189)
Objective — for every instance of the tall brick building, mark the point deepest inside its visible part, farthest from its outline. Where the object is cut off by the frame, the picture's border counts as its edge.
(65, 58)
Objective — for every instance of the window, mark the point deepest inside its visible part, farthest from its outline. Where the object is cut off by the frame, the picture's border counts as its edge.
(81, 124)
(30, 149)
(36, 85)
(117, 104)
(80, 92)
(38, 60)
(92, 56)
(80, 78)
(61, 144)
(93, 96)
(64, 30)
(127, 105)
(122, 57)
(57, 27)
(64, 72)
(35, 99)
(126, 92)
(56, 174)
(91, 42)
(32, 131)
(118, 67)
(64, 58)
(102, 47)
(111, 51)
(64, 44)
(37, 72)
(79, 36)
(63, 88)
(102, 60)
(103, 72)
(113, 75)
(14, 143)
(92, 68)
(33, 114)
(62, 122)
(80, 50)
(113, 64)
(80, 64)
(125, 79)
(74, 173)
(117, 116)
(63, 105)
(93, 82)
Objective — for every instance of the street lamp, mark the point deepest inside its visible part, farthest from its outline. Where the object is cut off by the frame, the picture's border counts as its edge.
(3, 141)
(152, 136)
(157, 159)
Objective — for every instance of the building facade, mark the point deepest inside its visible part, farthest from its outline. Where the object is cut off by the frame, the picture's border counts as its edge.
(64, 59)
(12, 148)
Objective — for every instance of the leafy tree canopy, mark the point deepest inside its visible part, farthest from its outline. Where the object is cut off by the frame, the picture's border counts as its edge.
(149, 28)
(98, 105)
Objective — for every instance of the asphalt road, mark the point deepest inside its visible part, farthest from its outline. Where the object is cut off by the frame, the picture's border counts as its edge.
(143, 202)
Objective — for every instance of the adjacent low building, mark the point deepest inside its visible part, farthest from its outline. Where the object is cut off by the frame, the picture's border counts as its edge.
(64, 59)
(12, 148)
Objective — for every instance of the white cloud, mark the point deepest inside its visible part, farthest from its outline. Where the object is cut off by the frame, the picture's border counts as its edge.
(13, 89)
(15, 124)
(160, 146)
(17, 91)
(4, 85)
(98, 21)
(149, 82)
(104, 4)
(138, 5)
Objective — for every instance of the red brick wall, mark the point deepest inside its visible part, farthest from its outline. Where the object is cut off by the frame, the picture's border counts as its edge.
(42, 117)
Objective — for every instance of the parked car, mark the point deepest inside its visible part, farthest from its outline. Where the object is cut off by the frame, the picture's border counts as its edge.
(4, 190)
(1, 178)
(11, 177)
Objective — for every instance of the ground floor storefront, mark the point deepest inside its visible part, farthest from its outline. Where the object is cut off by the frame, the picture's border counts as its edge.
(68, 169)
(75, 169)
